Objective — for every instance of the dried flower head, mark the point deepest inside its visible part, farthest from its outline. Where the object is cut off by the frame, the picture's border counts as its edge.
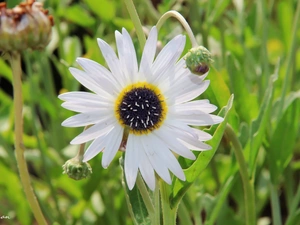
(25, 26)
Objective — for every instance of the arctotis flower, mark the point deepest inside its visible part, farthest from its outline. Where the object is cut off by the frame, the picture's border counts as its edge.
(147, 108)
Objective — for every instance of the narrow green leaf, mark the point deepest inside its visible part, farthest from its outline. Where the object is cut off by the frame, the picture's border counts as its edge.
(285, 15)
(135, 203)
(180, 187)
(283, 140)
(259, 126)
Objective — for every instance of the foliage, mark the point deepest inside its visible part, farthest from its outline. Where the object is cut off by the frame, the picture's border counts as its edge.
(254, 46)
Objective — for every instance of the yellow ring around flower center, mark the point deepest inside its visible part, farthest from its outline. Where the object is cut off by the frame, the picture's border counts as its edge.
(140, 107)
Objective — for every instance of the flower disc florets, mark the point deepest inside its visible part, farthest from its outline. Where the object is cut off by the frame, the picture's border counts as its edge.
(140, 107)
(25, 26)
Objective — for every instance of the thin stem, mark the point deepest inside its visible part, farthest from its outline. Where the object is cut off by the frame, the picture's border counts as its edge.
(156, 202)
(275, 205)
(169, 215)
(146, 198)
(183, 22)
(136, 22)
(247, 183)
(15, 61)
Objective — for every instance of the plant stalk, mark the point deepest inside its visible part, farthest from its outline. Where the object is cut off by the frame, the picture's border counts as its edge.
(248, 185)
(183, 22)
(169, 214)
(136, 22)
(15, 61)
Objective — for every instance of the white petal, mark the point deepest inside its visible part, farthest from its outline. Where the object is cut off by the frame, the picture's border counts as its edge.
(170, 139)
(151, 146)
(95, 147)
(189, 90)
(85, 119)
(129, 56)
(112, 145)
(148, 54)
(79, 96)
(190, 140)
(166, 156)
(89, 82)
(167, 58)
(147, 171)
(194, 107)
(112, 61)
(202, 136)
(95, 131)
(200, 119)
(85, 107)
(132, 160)
(103, 76)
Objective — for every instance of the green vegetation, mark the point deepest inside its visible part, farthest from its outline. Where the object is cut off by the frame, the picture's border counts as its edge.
(255, 48)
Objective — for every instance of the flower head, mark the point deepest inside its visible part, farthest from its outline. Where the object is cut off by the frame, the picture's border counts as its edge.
(149, 105)
(25, 26)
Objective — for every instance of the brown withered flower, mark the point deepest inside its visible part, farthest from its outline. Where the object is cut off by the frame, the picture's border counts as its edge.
(26, 26)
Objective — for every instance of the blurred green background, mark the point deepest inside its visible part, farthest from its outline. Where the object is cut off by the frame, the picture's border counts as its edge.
(255, 46)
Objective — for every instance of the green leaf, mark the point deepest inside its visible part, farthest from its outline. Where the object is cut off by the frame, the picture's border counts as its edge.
(78, 15)
(12, 189)
(135, 203)
(285, 15)
(180, 187)
(238, 83)
(104, 9)
(283, 140)
(259, 126)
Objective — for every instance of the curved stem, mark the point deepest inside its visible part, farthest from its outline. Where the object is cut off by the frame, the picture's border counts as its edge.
(247, 183)
(183, 22)
(136, 22)
(15, 61)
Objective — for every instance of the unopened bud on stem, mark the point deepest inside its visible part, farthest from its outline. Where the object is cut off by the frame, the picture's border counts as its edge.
(76, 169)
(198, 60)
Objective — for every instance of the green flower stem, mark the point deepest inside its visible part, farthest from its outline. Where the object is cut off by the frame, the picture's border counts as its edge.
(146, 198)
(275, 205)
(136, 22)
(15, 60)
(183, 22)
(247, 183)
(169, 214)
(156, 202)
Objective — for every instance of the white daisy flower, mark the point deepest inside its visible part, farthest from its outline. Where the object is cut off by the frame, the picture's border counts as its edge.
(150, 102)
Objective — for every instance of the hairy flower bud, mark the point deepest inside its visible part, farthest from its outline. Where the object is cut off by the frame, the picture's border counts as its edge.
(25, 26)
(198, 60)
(76, 169)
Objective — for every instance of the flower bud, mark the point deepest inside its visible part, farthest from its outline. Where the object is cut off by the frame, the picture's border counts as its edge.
(76, 169)
(198, 60)
(24, 26)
